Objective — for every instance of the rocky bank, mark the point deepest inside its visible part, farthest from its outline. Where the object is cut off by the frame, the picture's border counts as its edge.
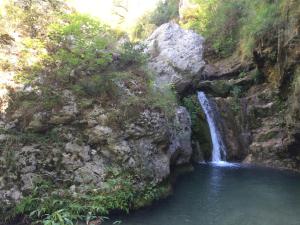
(77, 144)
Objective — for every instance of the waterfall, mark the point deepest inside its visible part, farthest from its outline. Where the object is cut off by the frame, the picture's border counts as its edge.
(219, 150)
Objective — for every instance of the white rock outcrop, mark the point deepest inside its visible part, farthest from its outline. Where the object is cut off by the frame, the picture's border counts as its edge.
(174, 53)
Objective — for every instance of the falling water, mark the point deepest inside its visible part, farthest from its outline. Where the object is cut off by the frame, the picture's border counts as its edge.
(219, 150)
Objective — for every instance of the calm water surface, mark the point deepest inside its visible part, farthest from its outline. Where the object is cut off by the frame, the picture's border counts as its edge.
(214, 195)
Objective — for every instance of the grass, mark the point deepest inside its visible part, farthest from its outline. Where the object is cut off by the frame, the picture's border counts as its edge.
(49, 205)
(236, 25)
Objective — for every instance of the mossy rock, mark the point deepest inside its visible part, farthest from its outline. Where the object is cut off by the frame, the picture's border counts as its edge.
(267, 136)
(200, 129)
(152, 194)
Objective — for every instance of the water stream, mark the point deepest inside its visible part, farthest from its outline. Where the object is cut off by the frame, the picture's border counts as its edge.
(219, 150)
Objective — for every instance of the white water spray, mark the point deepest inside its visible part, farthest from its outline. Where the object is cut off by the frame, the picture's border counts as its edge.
(219, 150)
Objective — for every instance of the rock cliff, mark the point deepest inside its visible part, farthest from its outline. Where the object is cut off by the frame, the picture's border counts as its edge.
(78, 143)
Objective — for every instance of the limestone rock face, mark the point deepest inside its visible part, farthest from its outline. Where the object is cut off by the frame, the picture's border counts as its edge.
(87, 146)
(176, 54)
(76, 144)
(68, 111)
(180, 149)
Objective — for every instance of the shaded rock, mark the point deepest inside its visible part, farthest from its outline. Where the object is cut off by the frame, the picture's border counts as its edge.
(68, 112)
(90, 173)
(81, 151)
(227, 68)
(38, 123)
(99, 134)
(180, 148)
(11, 195)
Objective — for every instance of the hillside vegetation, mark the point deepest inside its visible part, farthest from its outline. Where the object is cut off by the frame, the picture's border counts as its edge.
(65, 65)
(239, 24)
(85, 128)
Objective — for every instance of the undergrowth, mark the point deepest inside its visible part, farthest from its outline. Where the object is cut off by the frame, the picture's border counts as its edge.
(48, 205)
(236, 24)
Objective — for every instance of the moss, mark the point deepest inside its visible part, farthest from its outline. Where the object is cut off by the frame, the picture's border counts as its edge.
(221, 87)
(294, 103)
(200, 129)
(151, 194)
(85, 103)
(267, 136)
(238, 25)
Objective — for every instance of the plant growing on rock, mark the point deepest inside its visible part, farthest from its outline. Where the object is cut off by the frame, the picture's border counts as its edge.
(48, 205)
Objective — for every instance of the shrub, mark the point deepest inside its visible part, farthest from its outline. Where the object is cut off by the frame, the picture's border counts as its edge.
(48, 205)
(163, 98)
(258, 76)
(261, 18)
(79, 40)
(234, 24)
(164, 12)
(97, 85)
(236, 92)
(132, 54)
(142, 29)
(218, 21)
(29, 17)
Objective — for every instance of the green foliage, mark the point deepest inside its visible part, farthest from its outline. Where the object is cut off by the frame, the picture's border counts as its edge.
(242, 75)
(294, 106)
(258, 76)
(29, 16)
(160, 99)
(79, 40)
(142, 29)
(97, 85)
(48, 205)
(132, 54)
(164, 12)
(163, 98)
(221, 87)
(151, 193)
(261, 18)
(15, 138)
(218, 21)
(236, 91)
(234, 24)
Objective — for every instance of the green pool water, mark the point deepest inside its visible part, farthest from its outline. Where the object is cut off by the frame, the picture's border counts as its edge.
(226, 195)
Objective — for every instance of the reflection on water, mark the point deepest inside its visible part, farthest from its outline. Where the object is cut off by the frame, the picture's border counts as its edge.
(227, 195)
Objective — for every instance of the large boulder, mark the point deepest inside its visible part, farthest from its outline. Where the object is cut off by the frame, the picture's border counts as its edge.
(175, 54)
